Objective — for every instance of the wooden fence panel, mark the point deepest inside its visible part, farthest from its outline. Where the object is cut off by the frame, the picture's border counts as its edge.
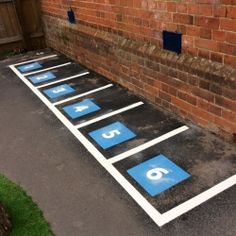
(10, 30)
(20, 25)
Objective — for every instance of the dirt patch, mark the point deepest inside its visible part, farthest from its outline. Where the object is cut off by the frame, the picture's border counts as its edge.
(5, 223)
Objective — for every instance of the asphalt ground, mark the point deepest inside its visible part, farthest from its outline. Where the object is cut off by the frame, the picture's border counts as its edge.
(78, 196)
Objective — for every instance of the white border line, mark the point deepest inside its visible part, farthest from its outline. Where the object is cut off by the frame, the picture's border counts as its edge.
(83, 94)
(197, 200)
(62, 80)
(147, 144)
(157, 217)
(46, 69)
(102, 117)
(36, 59)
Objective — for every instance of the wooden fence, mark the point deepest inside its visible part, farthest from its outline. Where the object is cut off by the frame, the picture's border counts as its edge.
(20, 25)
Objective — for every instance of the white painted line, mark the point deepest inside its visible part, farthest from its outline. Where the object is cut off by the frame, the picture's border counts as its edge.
(157, 217)
(46, 69)
(197, 200)
(109, 115)
(147, 144)
(36, 59)
(62, 80)
(83, 94)
(134, 193)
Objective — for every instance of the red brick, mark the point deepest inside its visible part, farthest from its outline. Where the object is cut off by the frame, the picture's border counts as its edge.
(171, 6)
(228, 2)
(228, 24)
(207, 44)
(231, 127)
(229, 93)
(218, 57)
(231, 12)
(219, 35)
(205, 9)
(219, 11)
(198, 120)
(204, 53)
(193, 8)
(204, 94)
(231, 37)
(181, 104)
(205, 33)
(203, 104)
(227, 49)
(208, 22)
(229, 115)
(215, 110)
(183, 18)
(230, 60)
(225, 103)
(182, 8)
(203, 114)
(165, 96)
(192, 30)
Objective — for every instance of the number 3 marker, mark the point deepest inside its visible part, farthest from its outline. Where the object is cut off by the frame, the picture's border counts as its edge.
(156, 173)
(111, 134)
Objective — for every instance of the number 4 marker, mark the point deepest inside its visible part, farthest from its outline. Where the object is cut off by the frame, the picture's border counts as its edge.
(80, 109)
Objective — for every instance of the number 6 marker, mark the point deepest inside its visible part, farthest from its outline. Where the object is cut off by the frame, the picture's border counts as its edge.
(156, 173)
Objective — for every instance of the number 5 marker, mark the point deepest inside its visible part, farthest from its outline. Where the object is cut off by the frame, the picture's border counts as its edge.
(111, 134)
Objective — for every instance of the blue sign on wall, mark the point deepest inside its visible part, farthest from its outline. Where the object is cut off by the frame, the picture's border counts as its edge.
(59, 91)
(158, 174)
(112, 135)
(81, 108)
(29, 67)
(42, 77)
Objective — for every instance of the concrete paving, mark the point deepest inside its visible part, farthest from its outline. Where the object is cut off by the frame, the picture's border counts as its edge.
(78, 196)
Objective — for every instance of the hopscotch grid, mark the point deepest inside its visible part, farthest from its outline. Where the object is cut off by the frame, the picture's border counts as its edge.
(110, 114)
(134, 193)
(62, 80)
(83, 94)
(157, 217)
(33, 60)
(46, 69)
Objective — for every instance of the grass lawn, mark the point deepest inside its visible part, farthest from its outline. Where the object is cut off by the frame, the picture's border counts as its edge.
(27, 219)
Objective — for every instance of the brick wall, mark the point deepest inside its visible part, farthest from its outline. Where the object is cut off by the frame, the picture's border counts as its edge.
(122, 40)
(208, 26)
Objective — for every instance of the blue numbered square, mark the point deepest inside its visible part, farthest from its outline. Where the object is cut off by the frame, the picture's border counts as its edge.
(112, 135)
(79, 109)
(58, 91)
(36, 79)
(29, 67)
(158, 174)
